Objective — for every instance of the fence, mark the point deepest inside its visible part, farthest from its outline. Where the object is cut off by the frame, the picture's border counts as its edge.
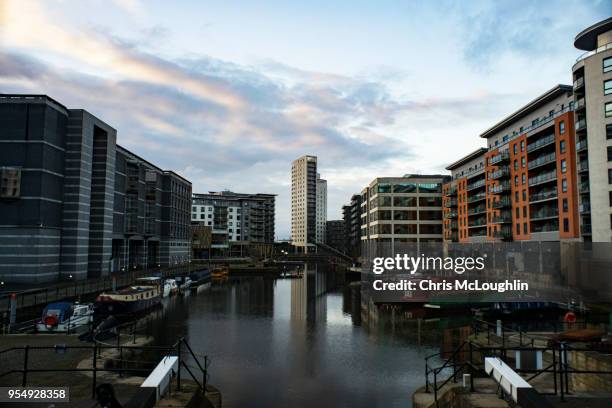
(18, 361)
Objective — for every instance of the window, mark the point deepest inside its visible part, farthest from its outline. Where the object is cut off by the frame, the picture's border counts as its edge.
(610, 198)
(564, 164)
(607, 64)
(523, 178)
(609, 176)
(565, 206)
(194, 209)
(516, 198)
(524, 195)
(10, 184)
(505, 139)
(608, 109)
(525, 228)
(514, 148)
(608, 87)
(609, 153)
(551, 113)
(564, 185)
(518, 229)
(562, 146)
(518, 213)
(522, 145)
(525, 211)
(565, 225)
(523, 162)
(609, 131)
(201, 216)
(515, 163)
(535, 122)
(516, 180)
(562, 127)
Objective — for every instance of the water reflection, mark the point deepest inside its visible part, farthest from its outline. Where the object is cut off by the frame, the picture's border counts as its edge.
(304, 341)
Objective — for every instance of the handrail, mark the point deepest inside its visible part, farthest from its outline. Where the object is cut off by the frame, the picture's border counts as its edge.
(593, 52)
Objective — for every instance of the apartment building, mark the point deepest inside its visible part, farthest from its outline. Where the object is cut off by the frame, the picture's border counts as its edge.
(321, 230)
(69, 206)
(351, 215)
(464, 197)
(592, 76)
(403, 209)
(523, 186)
(236, 219)
(304, 202)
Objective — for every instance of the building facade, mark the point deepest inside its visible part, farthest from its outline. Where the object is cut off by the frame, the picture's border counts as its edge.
(303, 202)
(351, 215)
(403, 209)
(336, 235)
(236, 219)
(321, 234)
(58, 213)
(592, 75)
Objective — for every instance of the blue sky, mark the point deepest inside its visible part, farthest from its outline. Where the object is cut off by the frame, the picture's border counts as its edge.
(228, 93)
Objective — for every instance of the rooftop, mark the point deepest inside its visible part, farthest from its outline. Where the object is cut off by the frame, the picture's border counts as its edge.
(465, 159)
(587, 39)
(527, 109)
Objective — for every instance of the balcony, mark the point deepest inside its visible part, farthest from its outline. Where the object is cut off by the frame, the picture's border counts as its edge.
(504, 218)
(451, 214)
(581, 146)
(546, 227)
(503, 172)
(500, 188)
(477, 197)
(578, 84)
(482, 222)
(585, 229)
(544, 214)
(450, 203)
(585, 207)
(579, 104)
(580, 125)
(503, 233)
(583, 166)
(481, 209)
(452, 191)
(583, 188)
(502, 203)
(476, 184)
(502, 157)
(543, 196)
(453, 224)
(454, 237)
(545, 141)
(543, 178)
(541, 161)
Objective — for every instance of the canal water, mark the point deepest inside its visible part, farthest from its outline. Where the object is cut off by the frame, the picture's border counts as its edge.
(302, 342)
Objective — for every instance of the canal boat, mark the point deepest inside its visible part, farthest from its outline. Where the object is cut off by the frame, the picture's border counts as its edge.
(183, 283)
(172, 286)
(128, 301)
(165, 286)
(221, 272)
(64, 317)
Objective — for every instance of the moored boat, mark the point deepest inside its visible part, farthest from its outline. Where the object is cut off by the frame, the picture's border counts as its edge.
(131, 300)
(63, 317)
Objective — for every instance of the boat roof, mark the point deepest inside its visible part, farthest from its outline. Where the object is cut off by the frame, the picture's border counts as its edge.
(59, 305)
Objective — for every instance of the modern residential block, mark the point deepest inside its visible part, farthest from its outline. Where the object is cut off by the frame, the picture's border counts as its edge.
(237, 219)
(351, 215)
(592, 75)
(304, 203)
(321, 234)
(403, 209)
(62, 214)
(524, 185)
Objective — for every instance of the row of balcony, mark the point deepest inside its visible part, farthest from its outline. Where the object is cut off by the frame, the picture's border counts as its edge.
(583, 166)
(504, 218)
(503, 156)
(476, 184)
(543, 178)
(503, 187)
(503, 233)
(544, 213)
(503, 171)
(501, 203)
(578, 83)
(543, 196)
(580, 125)
(581, 146)
(481, 209)
(545, 141)
(450, 203)
(541, 161)
(477, 197)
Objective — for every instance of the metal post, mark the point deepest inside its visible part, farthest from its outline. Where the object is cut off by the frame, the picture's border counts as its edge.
(435, 385)
(554, 370)
(426, 377)
(13, 312)
(205, 374)
(94, 364)
(120, 361)
(471, 367)
(178, 373)
(26, 354)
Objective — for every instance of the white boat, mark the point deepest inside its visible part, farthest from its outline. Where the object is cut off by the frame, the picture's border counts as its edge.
(62, 317)
(166, 287)
(171, 286)
(183, 283)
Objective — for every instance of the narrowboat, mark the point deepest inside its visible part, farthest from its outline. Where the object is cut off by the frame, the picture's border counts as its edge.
(131, 300)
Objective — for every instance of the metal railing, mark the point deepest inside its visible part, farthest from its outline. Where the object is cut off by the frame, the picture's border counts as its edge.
(542, 178)
(542, 160)
(593, 52)
(180, 349)
(545, 141)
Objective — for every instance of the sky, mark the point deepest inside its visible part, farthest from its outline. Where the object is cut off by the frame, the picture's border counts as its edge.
(228, 93)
